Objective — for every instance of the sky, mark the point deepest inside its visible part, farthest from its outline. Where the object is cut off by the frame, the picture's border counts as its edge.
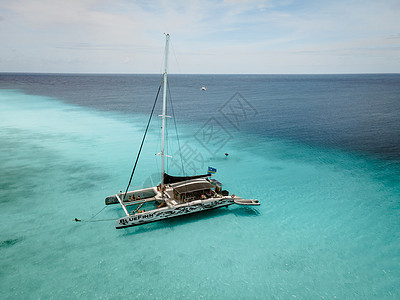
(207, 37)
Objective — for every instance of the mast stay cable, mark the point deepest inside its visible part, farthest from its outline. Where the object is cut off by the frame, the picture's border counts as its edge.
(144, 137)
(176, 130)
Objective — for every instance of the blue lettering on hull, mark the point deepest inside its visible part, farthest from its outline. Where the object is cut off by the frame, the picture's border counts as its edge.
(174, 212)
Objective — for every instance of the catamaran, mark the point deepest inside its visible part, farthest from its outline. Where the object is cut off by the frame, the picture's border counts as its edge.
(175, 195)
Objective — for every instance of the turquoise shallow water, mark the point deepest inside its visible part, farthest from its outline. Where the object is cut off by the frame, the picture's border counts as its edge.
(328, 226)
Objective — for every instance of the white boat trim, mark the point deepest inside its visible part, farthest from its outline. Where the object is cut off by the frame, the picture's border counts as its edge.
(174, 211)
(122, 204)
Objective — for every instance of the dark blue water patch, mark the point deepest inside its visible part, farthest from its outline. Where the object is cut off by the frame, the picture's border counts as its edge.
(28, 165)
(10, 242)
(122, 93)
(358, 113)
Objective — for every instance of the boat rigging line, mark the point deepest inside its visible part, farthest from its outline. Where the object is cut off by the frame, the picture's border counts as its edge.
(91, 219)
(144, 137)
(176, 130)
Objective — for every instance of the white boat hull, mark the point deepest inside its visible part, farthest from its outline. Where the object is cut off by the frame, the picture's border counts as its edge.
(173, 211)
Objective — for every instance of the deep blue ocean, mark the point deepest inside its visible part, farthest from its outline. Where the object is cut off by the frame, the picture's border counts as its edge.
(320, 152)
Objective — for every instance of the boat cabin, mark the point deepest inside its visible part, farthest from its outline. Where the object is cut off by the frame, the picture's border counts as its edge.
(190, 190)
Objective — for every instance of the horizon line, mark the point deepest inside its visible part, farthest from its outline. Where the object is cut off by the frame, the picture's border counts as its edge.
(123, 73)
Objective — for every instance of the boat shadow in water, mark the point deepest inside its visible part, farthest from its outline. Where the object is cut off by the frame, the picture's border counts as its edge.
(245, 211)
(192, 218)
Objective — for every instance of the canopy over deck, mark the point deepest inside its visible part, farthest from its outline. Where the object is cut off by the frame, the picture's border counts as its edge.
(191, 186)
(173, 179)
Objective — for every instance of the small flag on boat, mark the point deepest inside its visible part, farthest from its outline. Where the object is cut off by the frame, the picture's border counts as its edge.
(211, 170)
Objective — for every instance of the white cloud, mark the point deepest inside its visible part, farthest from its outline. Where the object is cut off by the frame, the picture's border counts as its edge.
(207, 36)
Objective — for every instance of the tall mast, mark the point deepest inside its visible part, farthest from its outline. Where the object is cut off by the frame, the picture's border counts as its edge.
(164, 112)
